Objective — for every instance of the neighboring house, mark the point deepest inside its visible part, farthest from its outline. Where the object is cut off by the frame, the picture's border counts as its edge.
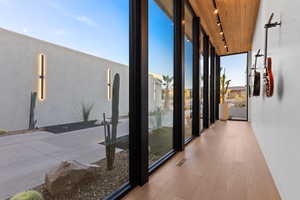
(72, 78)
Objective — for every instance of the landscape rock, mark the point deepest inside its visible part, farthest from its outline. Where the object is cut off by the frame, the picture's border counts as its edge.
(67, 175)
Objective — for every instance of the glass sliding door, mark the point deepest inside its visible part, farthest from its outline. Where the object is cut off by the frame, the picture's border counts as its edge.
(235, 69)
(65, 84)
(188, 68)
(160, 78)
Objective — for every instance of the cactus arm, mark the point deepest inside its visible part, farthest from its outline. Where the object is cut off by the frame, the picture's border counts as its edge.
(32, 121)
(224, 85)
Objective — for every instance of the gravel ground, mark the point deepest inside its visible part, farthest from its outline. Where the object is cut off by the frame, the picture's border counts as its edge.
(100, 186)
(105, 182)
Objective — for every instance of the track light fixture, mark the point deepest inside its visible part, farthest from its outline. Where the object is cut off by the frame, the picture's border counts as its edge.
(219, 24)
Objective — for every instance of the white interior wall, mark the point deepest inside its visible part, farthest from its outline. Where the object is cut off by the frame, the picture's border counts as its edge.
(275, 120)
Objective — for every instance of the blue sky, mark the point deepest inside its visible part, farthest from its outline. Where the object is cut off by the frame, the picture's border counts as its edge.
(236, 66)
(188, 60)
(160, 41)
(102, 29)
(161, 46)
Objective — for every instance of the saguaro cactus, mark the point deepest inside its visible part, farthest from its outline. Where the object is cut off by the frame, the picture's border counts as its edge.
(32, 121)
(111, 136)
(224, 86)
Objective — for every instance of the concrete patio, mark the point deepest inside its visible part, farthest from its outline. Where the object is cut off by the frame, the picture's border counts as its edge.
(25, 158)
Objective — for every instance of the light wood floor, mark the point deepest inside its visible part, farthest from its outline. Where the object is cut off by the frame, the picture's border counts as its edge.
(225, 163)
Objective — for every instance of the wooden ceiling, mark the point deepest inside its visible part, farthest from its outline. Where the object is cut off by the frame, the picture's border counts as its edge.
(238, 18)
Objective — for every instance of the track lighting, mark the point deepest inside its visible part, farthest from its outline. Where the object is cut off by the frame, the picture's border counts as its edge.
(219, 24)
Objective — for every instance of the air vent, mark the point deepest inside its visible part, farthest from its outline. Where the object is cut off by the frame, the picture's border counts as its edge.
(181, 162)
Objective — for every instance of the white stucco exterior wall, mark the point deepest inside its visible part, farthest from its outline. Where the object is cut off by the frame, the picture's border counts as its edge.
(72, 79)
(276, 120)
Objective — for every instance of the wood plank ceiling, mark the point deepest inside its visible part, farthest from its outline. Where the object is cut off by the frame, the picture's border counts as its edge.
(238, 19)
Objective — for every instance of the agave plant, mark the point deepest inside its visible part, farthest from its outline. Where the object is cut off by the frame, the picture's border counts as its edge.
(86, 111)
(224, 84)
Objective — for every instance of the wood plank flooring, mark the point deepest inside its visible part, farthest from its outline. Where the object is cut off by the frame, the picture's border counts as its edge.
(225, 163)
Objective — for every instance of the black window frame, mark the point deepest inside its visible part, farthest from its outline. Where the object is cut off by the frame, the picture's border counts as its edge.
(247, 83)
(139, 171)
(212, 84)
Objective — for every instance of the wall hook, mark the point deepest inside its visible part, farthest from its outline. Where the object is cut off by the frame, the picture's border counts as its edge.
(270, 24)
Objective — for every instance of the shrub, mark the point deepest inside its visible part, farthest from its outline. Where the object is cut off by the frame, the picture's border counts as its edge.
(2, 131)
(28, 195)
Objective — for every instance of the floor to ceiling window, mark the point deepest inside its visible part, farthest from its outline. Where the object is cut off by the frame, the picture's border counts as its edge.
(212, 94)
(64, 103)
(160, 78)
(201, 79)
(235, 70)
(209, 92)
(188, 68)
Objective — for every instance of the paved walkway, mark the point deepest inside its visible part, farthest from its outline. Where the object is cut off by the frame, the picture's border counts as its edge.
(24, 159)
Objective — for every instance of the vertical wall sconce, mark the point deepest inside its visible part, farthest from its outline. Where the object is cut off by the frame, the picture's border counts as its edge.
(41, 80)
(109, 84)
